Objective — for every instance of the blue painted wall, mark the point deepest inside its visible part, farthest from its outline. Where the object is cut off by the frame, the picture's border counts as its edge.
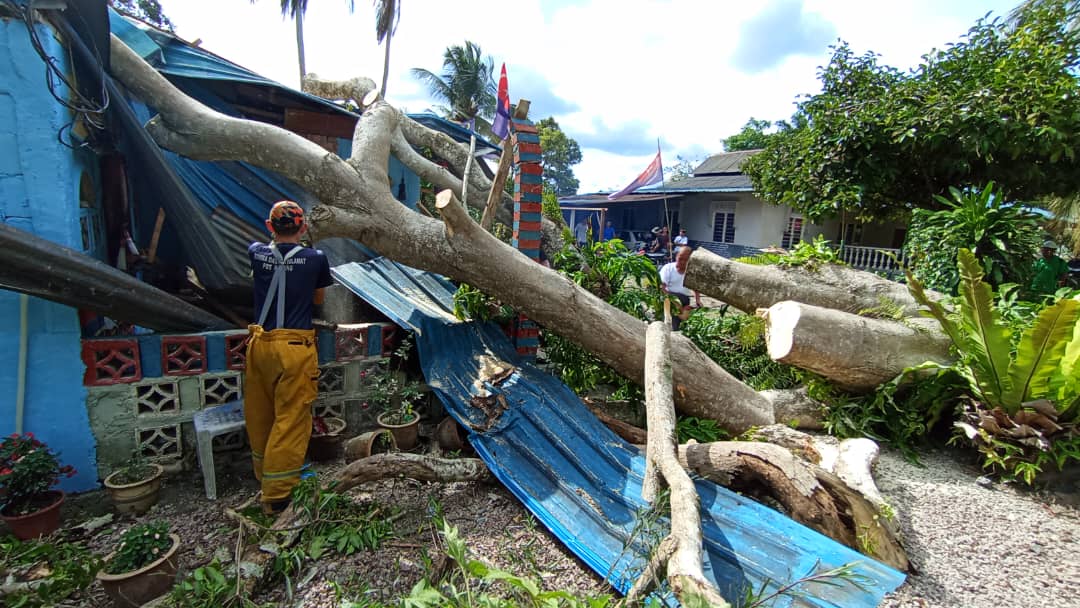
(39, 193)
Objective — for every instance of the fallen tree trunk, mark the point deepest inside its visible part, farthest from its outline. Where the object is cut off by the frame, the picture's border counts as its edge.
(857, 353)
(809, 494)
(681, 554)
(357, 204)
(749, 287)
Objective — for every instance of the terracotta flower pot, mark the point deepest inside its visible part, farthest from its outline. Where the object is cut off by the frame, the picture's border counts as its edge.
(370, 443)
(404, 434)
(133, 589)
(135, 497)
(327, 446)
(42, 522)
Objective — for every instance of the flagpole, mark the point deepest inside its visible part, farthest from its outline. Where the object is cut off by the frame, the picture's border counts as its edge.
(663, 192)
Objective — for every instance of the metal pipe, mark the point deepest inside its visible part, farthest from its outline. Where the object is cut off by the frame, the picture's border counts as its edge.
(20, 390)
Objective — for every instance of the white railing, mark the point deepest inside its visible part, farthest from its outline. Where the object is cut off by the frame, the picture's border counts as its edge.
(872, 258)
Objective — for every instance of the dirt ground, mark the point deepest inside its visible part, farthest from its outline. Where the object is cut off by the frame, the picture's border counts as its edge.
(495, 526)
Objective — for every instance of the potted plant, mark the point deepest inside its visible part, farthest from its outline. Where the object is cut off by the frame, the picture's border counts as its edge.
(135, 486)
(392, 391)
(28, 471)
(326, 437)
(143, 566)
(403, 422)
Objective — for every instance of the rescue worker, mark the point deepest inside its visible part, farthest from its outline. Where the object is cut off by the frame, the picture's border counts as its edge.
(281, 380)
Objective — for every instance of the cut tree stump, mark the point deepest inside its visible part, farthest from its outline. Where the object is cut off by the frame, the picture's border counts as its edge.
(857, 353)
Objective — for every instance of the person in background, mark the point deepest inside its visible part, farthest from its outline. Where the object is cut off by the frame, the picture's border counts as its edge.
(671, 281)
(609, 231)
(681, 240)
(662, 243)
(581, 231)
(1050, 271)
(281, 381)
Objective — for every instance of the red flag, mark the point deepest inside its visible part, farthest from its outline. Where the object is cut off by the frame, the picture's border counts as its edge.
(501, 126)
(652, 174)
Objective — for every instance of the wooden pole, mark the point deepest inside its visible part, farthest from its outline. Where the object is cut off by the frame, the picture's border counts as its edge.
(151, 253)
(505, 161)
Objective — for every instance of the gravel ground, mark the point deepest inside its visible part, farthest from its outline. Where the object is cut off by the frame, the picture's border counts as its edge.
(977, 544)
(974, 544)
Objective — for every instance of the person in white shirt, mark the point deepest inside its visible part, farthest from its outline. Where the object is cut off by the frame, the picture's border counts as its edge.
(671, 280)
(681, 240)
(581, 231)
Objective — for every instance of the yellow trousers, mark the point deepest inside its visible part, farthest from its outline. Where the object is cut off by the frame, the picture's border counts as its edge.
(281, 383)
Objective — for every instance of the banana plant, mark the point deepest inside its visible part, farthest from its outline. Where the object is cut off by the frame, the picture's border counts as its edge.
(1046, 357)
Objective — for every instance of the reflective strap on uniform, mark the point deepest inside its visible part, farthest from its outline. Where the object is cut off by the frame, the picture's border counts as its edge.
(276, 290)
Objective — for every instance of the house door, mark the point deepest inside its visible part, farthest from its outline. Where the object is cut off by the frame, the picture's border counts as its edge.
(899, 235)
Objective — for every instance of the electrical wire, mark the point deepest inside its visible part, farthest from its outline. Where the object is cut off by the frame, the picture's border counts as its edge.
(91, 111)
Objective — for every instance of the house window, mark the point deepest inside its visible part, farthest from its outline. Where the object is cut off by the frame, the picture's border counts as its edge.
(724, 225)
(792, 233)
(852, 234)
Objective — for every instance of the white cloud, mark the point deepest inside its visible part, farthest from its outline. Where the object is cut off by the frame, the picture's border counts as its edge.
(659, 68)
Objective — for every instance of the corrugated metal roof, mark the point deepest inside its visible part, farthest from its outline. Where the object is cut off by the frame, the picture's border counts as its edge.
(711, 183)
(581, 480)
(601, 199)
(726, 162)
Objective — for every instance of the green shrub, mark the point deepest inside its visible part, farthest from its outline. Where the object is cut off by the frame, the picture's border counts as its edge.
(736, 341)
(1005, 238)
(810, 255)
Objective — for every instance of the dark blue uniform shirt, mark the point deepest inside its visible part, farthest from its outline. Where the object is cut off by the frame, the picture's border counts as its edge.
(305, 272)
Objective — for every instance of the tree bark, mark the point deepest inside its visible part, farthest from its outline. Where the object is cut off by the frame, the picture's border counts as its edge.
(809, 494)
(684, 566)
(357, 203)
(749, 287)
(857, 353)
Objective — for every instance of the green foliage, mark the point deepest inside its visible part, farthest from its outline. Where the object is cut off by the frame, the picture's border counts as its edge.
(149, 11)
(844, 574)
(682, 169)
(999, 105)
(139, 546)
(209, 587)
(1042, 367)
(560, 154)
(751, 137)
(472, 585)
(627, 281)
(549, 202)
(390, 389)
(28, 469)
(736, 341)
(702, 430)
(134, 469)
(1006, 238)
(902, 411)
(810, 255)
(466, 84)
(71, 568)
(471, 303)
(336, 524)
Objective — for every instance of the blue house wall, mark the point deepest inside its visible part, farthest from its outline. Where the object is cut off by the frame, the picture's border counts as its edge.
(39, 193)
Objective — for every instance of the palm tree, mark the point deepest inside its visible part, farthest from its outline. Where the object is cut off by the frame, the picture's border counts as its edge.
(296, 9)
(387, 15)
(466, 84)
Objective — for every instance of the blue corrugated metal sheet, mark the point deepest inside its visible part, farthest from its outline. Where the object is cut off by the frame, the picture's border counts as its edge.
(577, 477)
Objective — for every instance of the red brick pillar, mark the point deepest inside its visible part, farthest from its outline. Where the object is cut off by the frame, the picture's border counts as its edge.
(528, 188)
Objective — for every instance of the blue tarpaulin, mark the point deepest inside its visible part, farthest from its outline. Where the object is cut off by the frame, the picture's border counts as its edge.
(580, 479)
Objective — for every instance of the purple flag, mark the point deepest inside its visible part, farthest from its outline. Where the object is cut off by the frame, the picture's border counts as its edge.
(501, 126)
(652, 174)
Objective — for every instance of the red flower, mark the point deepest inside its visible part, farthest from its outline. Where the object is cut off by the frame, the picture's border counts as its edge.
(5, 472)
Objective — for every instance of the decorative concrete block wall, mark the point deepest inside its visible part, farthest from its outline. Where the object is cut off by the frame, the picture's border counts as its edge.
(142, 392)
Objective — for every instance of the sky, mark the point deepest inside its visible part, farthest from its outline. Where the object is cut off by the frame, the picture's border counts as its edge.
(619, 76)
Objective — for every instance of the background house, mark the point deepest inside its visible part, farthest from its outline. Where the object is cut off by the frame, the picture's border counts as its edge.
(720, 212)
